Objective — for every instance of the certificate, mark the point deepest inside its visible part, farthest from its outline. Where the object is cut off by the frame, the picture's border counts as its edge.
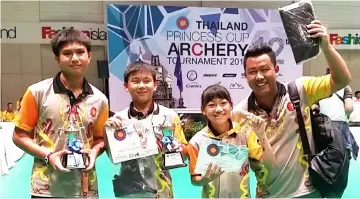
(133, 141)
(229, 158)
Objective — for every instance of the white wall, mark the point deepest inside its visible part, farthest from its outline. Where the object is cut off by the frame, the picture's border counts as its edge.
(24, 64)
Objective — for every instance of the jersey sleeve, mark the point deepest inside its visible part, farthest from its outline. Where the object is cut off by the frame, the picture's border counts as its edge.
(314, 88)
(193, 151)
(100, 122)
(29, 114)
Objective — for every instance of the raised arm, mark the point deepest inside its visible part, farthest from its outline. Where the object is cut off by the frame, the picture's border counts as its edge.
(340, 75)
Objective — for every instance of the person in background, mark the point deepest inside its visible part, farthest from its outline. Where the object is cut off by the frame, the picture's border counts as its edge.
(289, 177)
(47, 106)
(216, 106)
(354, 119)
(357, 96)
(9, 114)
(140, 82)
(338, 108)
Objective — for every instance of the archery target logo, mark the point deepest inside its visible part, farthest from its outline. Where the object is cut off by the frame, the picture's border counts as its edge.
(182, 23)
(120, 135)
(93, 112)
(290, 106)
(213, 150)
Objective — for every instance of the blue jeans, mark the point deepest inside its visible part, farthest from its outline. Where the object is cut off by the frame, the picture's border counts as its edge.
(348, 138)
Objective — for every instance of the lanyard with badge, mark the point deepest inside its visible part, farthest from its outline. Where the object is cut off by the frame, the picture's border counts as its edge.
(145, 131)
(160, 124)
(153, 125)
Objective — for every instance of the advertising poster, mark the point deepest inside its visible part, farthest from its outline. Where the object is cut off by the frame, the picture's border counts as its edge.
(191, 48)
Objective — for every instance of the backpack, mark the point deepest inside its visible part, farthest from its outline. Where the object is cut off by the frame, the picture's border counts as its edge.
(329, 163)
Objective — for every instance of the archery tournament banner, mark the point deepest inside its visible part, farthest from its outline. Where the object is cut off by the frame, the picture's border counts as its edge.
(191, 48)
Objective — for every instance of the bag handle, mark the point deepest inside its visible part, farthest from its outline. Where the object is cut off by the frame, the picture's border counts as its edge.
(295, 99)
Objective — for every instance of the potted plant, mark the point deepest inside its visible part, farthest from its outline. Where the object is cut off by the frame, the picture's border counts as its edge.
(191, 127)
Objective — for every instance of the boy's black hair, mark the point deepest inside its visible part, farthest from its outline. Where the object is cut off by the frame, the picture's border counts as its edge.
(69, 35)
(137, 67)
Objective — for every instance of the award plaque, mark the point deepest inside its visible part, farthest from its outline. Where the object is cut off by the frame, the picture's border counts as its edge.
(171, 158)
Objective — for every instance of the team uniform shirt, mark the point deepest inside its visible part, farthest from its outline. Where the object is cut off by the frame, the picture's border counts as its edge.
(229, 184)
(290, 177)
(8, 116)
(45, 107)
(151, 167)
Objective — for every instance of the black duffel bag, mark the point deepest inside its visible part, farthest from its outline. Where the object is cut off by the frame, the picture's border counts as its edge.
(329, 164)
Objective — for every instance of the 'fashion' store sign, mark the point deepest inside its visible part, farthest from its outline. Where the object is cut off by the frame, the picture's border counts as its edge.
(345, 39)
(32, 32)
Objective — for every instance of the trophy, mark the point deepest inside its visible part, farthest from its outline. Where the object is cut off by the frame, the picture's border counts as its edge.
(172, 157)
(74, 160)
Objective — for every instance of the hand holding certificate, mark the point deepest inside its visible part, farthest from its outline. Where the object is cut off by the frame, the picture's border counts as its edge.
(131, 141)
(229, 158)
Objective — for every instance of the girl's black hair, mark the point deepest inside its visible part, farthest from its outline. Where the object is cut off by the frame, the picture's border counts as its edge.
(213, 92)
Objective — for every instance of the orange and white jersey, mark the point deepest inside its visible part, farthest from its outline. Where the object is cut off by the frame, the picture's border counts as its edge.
(229, 184)
(151, 166)
(290, 177)
(44, 109)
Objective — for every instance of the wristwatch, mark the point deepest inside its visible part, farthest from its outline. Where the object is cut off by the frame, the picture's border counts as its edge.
(47, 157)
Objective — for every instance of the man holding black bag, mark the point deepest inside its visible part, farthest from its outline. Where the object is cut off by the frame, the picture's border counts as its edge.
(289, 176)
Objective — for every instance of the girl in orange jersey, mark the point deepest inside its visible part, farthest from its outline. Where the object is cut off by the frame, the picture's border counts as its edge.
(216, 106)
